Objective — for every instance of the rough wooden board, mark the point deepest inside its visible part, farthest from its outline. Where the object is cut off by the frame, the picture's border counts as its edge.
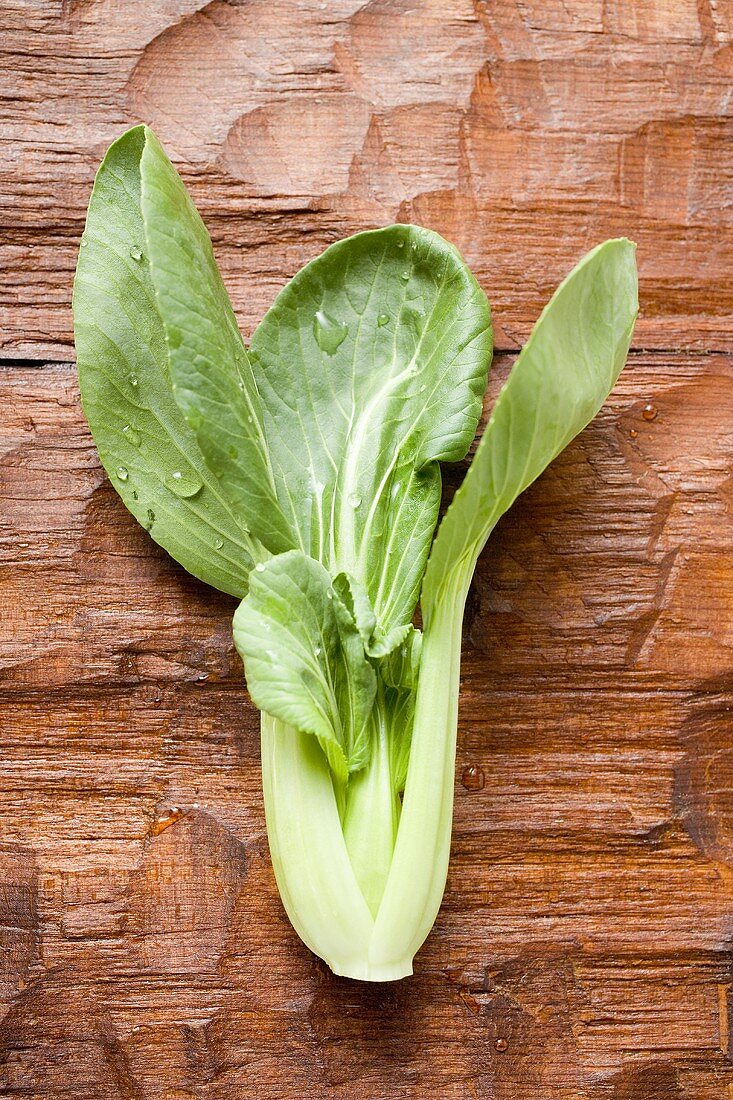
(523, 131)
(585, 947)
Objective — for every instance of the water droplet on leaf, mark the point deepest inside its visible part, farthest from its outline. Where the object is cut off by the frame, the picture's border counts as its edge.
(136, 255)
(150, 520)
(132, 379)
(131, 435)
(405, 276)
(218, 543)
(122, 473)
(383, 319)
(329, 333)
(354, 500)
(260, 567)
(183, 485)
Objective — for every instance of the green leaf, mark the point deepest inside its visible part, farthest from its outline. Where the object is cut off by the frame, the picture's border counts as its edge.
(211, 373)
(371, 367)
(400, 671)
(150, 453)
(304, 658)
(377, 642)
(400, 667)
(356, 598)
(559, 382)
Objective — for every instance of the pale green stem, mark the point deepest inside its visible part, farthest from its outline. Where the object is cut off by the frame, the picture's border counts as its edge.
(309, 857)
(419, 867)
(324, 895)
(373, 813)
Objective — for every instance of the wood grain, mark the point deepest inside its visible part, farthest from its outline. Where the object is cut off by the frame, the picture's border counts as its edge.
(585, 947)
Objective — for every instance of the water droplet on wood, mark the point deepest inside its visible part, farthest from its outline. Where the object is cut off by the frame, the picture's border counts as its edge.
(649, 412)
(164, 821)
(473, 778)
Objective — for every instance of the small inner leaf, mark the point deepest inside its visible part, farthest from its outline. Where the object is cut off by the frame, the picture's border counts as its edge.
(304, 658)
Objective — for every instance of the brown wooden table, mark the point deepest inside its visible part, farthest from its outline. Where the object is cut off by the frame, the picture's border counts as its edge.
(585, 945)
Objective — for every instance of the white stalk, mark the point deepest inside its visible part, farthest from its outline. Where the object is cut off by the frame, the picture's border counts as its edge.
(419, 867)
(329, 878)
(372, 814)
(312, 868)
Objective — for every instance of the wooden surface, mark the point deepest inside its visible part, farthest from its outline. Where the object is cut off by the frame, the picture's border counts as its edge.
(585, 947)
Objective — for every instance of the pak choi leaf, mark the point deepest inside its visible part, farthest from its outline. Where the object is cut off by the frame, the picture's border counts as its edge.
(557, 385)
(304, 658)
(356, 425)
(210, 371)
(151, 454)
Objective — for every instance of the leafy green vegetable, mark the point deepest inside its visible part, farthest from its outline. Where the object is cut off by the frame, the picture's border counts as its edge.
(303, 477)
